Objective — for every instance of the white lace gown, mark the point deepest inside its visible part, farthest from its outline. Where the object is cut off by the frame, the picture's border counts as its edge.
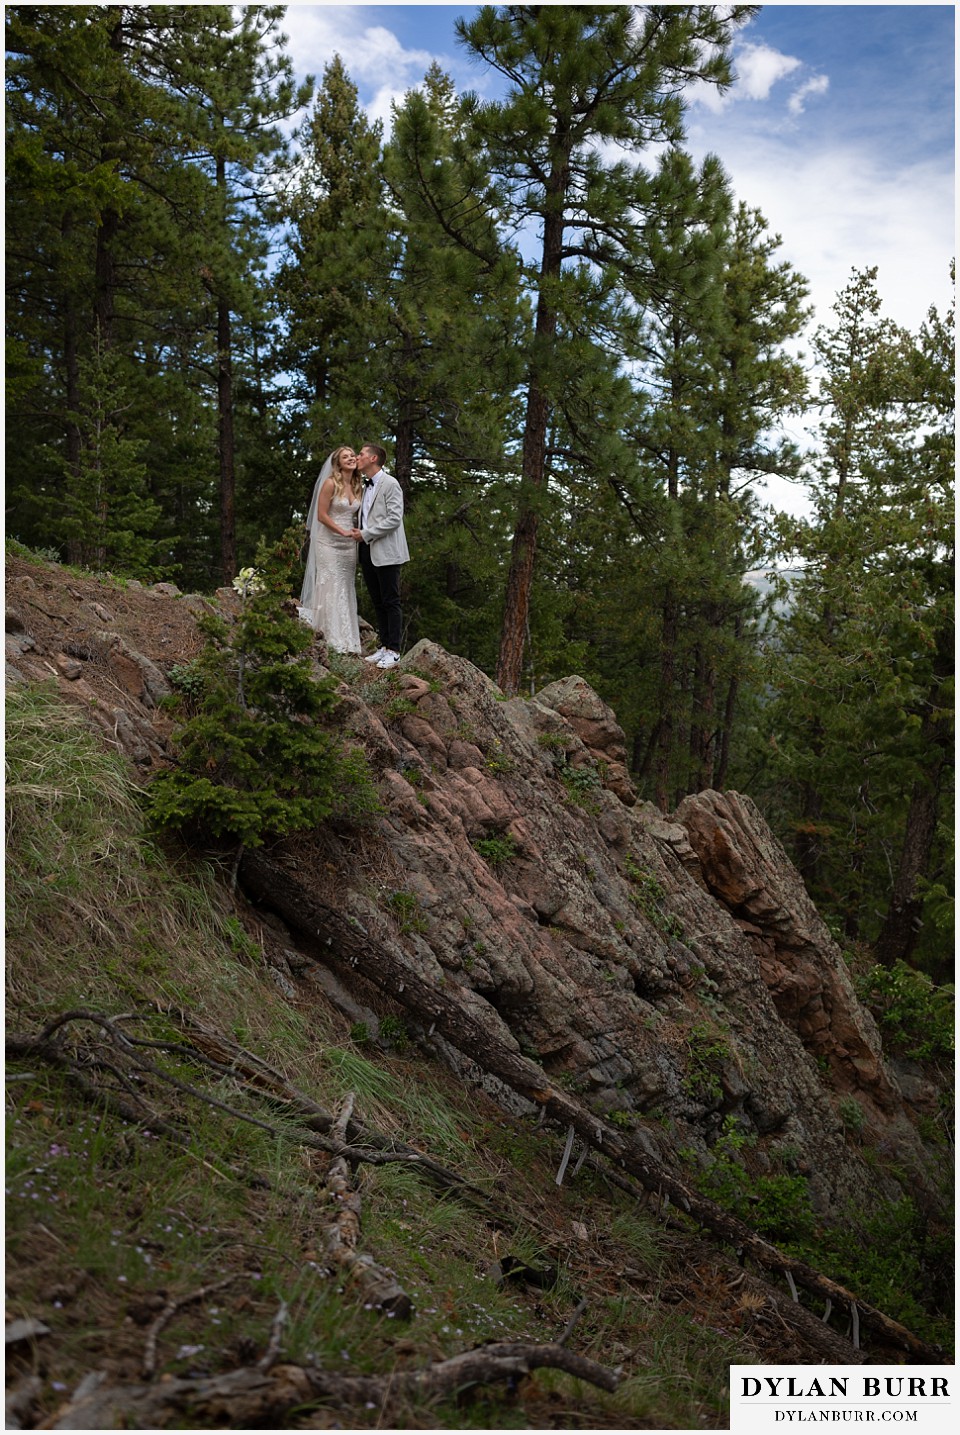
(331, 607)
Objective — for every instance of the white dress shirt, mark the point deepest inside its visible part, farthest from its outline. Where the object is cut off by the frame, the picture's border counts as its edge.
(369, 491)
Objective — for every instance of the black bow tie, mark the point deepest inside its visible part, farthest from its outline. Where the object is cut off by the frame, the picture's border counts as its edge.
(368, 483)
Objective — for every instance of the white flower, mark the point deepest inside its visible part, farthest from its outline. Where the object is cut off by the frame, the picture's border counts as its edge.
(247, 581)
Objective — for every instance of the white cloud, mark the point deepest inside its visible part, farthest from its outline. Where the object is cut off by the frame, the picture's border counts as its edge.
(374, 58)
(844, 208)
(816, 85)
(757, 68)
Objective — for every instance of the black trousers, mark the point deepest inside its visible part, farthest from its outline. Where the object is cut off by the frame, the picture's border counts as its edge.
(383, 585)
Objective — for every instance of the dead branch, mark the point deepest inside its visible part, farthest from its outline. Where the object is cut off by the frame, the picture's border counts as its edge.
(55, 1054)
(375, 1284)
(379, 1150)
(255, 1398)
(270, 884)
(149, 1364)
(272, 1352)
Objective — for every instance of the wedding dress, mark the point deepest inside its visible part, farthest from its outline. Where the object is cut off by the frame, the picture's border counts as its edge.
(328, 599)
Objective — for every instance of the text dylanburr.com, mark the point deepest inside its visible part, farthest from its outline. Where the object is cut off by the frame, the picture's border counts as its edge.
(765, 1398)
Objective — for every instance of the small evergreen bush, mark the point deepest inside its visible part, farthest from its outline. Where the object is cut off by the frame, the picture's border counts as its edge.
(256, 758)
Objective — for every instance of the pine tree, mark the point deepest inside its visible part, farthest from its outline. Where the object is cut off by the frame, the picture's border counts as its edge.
(860, 670)
(106, 515)
(332, 287)
(455, 315)
(669, 592)
(239, 85)
(580, 78)
(122, 241)
(918, 918)
(66, 98)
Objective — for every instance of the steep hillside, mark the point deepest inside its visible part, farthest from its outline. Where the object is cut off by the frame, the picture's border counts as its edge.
(610, 1053)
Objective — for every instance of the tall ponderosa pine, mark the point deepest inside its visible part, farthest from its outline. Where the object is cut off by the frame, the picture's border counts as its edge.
(332, 287)
(239, 86)
(862, 667)
(455, 333)
(580, 78)
(455, 314)
(918, 918)
(666, 592)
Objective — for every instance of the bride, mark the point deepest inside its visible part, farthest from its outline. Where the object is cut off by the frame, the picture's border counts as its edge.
(328, 599)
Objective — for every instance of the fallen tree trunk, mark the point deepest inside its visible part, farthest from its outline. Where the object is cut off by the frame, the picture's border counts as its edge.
(272, 886)
(255, 1398)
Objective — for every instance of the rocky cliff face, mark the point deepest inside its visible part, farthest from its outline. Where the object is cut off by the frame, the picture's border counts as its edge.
(670, 970)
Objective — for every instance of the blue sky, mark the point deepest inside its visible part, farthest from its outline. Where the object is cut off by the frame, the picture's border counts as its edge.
(839, 128)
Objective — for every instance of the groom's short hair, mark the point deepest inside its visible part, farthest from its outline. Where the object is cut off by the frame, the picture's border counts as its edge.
(375, 448)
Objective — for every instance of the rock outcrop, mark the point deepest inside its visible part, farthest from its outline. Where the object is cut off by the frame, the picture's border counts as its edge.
(671, 971)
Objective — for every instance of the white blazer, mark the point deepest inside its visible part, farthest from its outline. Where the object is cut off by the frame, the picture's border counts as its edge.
(383, 528)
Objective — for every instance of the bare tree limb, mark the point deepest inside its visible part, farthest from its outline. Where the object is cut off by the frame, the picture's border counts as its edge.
(149, 1364)
(375, 1284)
(249, 1398)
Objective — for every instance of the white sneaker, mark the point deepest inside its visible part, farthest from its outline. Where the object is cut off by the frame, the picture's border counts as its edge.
(375, 657)
(389, 659)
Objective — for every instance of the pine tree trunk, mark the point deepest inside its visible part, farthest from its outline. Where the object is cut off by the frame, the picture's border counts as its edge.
(665, 724)
(228, 529)
(403, 451)
(105, 279)
(729, 711)
(701, 765)
(513, 632)
(516, 610)
(71, 362)
(105, 276)
(901, 926)
(808, 835)
(228, 533)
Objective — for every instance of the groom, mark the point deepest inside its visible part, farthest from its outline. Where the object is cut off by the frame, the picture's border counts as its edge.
(383, 549)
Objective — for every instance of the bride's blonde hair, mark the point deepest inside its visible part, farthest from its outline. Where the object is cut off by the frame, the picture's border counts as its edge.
(342, 480)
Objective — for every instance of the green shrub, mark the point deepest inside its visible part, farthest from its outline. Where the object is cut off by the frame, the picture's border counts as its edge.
(255, 759)
(497, 851)
(916, 1017)
(896, 1261)
(406, 908)
(707, 1051)
(775, 1206)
